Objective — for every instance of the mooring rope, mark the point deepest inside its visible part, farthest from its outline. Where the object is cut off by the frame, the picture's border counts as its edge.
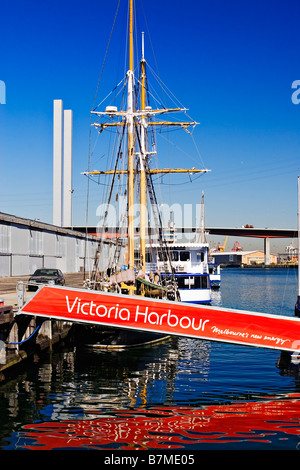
(20, 342)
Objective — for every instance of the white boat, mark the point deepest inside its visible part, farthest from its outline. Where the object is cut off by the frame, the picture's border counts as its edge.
(189, 262)
(214, 274)
(190, 267)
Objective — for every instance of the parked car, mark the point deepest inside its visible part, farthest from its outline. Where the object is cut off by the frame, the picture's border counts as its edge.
(45, 276)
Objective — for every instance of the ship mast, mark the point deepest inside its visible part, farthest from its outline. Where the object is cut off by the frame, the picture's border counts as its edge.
(142, 160)
(129, 118)
(297, 306)
(130, 143)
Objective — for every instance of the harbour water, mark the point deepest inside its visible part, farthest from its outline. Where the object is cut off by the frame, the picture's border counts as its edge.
(182, 395)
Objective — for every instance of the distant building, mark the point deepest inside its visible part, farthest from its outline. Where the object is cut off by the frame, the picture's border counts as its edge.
(257, 257)
(239, 258)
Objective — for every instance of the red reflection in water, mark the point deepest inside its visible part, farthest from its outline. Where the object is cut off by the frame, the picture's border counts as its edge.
(166, 428)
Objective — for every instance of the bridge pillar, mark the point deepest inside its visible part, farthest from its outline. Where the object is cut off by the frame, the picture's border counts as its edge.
(267, 250)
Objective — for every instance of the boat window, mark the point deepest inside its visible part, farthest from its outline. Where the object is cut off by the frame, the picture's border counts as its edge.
(149, 258)
(200, 256)
(190, 281)
(184, 256)
(204, 282)
(175, 256)
(162, 256)
(193, 282)
(181, 282)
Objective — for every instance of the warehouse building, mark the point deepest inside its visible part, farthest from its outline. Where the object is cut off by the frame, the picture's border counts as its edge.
(239, 258)
(26, 245)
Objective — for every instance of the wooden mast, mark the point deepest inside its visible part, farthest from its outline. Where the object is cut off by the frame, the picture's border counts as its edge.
(143, 157)
(297, 306)
(130, 144)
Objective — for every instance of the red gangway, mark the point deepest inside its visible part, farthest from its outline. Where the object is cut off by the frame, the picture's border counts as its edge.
(161, 316)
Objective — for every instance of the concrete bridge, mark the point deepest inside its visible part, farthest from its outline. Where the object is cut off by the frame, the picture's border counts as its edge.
(266, 233)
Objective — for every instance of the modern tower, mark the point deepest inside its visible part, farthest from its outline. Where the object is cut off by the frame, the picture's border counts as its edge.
(62, 164)
(67, 180)
(57, 161)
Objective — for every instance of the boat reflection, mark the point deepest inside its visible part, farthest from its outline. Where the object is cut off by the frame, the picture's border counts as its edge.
(95, 400)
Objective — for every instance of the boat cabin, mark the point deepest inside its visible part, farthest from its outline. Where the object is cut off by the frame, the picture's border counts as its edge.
(186, 258)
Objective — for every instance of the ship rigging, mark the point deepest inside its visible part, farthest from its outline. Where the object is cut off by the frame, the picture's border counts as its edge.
(135, 124)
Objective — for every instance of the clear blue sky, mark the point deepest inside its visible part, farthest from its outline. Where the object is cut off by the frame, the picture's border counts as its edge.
(232, 63)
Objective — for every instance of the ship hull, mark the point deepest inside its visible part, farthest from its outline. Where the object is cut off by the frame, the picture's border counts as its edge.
(115, 339)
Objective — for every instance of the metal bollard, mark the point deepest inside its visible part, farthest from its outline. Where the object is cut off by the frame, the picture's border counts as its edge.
(21, 293)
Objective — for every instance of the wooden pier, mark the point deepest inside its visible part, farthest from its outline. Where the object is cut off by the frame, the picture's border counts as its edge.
(23, 336)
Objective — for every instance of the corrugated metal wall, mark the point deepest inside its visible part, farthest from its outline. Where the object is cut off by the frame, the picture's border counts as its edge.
(24, 248)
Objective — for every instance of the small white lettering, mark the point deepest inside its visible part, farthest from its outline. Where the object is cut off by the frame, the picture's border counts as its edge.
(101, 314)
(229, 332)
(275, 339)
(116, 460)
(127, 316)
(70, 309)
(91, 308)
(295, 95)
(143, 314)
(84, 313)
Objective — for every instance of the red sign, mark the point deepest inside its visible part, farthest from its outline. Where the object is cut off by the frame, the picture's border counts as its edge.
(174, 318)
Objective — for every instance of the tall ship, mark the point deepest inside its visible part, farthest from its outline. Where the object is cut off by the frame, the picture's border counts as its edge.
(127, 121)
(121, 306)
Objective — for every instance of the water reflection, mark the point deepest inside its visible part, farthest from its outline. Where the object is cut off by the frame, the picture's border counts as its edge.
(154, 398)
(164, 428)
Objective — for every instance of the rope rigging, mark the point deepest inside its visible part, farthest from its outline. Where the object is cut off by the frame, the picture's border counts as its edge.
(136, 117)
(90, 135)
